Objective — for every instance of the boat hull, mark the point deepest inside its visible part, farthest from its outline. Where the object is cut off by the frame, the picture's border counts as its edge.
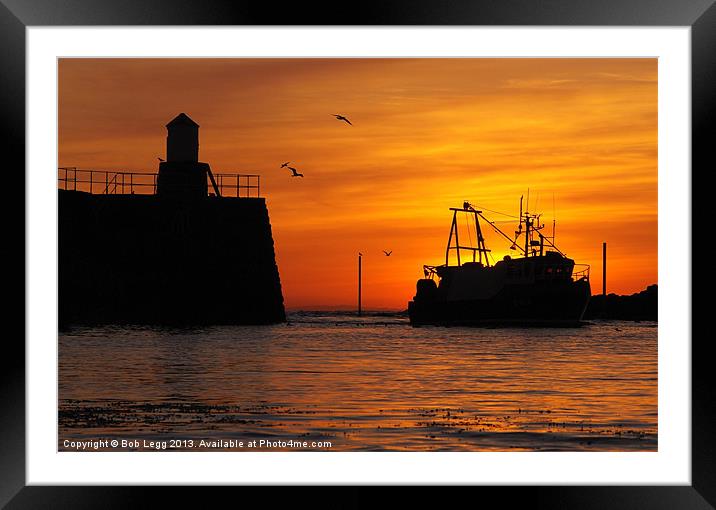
(550, 304)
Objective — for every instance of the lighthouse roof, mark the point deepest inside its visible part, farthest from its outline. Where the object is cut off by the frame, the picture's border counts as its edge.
(182, 119)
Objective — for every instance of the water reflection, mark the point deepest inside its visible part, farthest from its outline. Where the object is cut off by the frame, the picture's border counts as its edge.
(372, 383)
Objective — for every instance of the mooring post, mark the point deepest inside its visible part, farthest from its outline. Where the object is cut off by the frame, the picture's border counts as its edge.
(604, 269)
(360, 256)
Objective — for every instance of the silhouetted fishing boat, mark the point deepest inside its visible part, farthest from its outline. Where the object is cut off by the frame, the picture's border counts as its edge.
(542, 287)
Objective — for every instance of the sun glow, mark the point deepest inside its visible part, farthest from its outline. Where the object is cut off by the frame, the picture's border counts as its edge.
(426, 135)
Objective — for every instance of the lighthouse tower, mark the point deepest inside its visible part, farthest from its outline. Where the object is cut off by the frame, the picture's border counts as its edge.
(182, 175)
(182, 140)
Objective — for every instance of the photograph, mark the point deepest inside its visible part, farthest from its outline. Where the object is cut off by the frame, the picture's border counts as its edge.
(358, 254)
(406, 244)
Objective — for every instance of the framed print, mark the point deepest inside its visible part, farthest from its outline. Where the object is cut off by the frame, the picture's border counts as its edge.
(416, 246)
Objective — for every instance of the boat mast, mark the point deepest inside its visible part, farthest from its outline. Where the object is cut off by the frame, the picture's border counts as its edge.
(481, 248)
(453, 231)
(527, 233)
(530, 228)
(480, 239)
(554, 220)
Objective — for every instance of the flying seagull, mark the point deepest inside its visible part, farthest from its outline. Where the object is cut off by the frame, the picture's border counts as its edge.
(295, 172)
(387, 253)
(341, 117)
(285, 164)
(160, 159)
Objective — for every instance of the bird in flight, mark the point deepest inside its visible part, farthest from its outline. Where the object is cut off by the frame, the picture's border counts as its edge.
(285, 164)
(387, 253)
(160, 159)
(295, 172)
(341, 117)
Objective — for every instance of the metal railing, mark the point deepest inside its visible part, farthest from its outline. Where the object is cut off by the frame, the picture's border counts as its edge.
(580, 272)
(116, 182)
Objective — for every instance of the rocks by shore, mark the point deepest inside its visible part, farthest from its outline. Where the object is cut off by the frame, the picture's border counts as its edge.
(640, 306)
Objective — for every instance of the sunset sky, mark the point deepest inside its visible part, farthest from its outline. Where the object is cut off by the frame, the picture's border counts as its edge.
(427, 134)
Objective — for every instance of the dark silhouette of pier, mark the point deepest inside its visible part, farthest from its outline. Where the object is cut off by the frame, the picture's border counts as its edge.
(180, 251)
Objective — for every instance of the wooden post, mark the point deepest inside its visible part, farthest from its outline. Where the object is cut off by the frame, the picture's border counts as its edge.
(360, 256)
(604, 269)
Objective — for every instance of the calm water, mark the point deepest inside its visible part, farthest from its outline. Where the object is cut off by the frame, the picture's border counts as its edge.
(370, 383)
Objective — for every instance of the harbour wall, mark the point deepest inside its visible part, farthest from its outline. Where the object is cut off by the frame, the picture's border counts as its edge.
(150, 259)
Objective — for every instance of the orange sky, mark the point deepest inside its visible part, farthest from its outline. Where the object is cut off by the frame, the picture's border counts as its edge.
(427, 135)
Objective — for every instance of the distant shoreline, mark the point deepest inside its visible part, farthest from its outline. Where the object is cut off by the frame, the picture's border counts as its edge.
(633, 307)
(642, 305)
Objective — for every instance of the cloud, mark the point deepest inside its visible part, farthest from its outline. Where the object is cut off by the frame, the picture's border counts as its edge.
(427, 134)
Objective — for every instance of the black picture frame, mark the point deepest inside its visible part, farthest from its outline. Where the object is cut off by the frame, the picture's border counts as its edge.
(17, 15)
